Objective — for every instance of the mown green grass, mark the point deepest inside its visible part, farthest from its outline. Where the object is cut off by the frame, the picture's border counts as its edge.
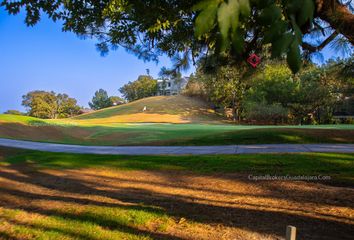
(174, 105)
(338, 165)
(80, 132)
(80, 222)
(19, 119)
(67, 219)
(74, 220)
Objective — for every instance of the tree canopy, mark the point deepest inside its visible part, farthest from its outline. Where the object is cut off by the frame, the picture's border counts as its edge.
(186, 29)
(273, 95)
(44, 104)
(144, 86)
(14, 112)
(102, 100)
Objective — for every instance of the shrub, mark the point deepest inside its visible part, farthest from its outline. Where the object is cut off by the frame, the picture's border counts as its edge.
(195, 88)
(14, 112)
(262, 112)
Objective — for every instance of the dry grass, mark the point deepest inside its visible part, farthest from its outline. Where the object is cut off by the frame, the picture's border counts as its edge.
(137, 118)
(160, 109)
(169, 120)
(171, 134)
(106, 203)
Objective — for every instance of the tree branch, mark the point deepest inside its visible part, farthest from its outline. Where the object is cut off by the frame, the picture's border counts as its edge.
(311, 48)
(338, 16)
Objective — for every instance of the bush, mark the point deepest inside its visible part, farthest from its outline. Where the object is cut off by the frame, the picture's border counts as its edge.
(195, 88)
(14, 112)
(144, 86)
(261, 112)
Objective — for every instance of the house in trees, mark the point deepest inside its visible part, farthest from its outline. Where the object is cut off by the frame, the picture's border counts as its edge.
(171, 86)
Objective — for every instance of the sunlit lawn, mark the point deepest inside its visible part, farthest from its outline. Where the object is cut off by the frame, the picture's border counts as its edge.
(84, 133)
(81, 222)
(339, 165)
(77, 196)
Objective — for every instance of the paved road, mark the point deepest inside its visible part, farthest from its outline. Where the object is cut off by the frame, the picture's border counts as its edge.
(179, 150)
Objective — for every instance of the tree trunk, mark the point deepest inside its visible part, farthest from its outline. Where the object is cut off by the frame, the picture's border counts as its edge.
(234, 108)
(234, 112)
(338, 16)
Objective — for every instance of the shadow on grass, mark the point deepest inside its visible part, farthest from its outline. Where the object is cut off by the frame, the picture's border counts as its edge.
(185, 134)
(36, 227)
(340, 166)
(93, 219)
(270, 136)
(6, 236)
(261, 221)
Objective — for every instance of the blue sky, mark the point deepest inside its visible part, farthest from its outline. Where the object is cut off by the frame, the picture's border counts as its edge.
(44, 58)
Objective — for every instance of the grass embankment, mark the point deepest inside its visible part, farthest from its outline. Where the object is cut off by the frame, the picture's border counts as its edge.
(75, 196)
(84, 133)
(160, 109)
(173, 120)
(339, 165)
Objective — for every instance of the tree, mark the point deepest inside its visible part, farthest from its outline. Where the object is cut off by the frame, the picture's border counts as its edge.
(115, 100)
(100, 100)
(40, 104)
(226, 86)
(341, 72)
(66, 106)
(44, 104)
(228, 28)
(196, 88)
(262, 112)
(14, 112)
(144, 86)
(309, 97)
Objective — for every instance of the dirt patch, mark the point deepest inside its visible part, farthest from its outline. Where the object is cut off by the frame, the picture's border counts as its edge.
(21, 131)
(139, 117)
(203, 207)
(44, 133)
(172, 109)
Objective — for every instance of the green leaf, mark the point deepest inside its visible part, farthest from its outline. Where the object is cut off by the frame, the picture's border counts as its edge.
(306, 13)
(224, 19)
(281, 45)
(245, 8)
(297, 30)
(275, 30)
(269, 15)
(234, 4)
(237, 41)
(293, 6)
(206, 18)
(262, 3)
(228, 14)
(203, 5)
(293, 57)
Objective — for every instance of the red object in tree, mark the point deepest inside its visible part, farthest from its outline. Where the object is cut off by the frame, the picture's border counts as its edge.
(254, 60)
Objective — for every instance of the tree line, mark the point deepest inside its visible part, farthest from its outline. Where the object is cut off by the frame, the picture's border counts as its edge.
(272, 94)
(50, 105)
(230, 30)
(219, 35)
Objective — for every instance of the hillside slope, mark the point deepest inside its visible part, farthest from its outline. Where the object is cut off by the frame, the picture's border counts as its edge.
(82, 132)
(162, 109)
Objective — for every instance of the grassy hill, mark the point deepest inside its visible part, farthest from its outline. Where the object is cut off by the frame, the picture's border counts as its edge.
(160, 109)
(173, 120)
